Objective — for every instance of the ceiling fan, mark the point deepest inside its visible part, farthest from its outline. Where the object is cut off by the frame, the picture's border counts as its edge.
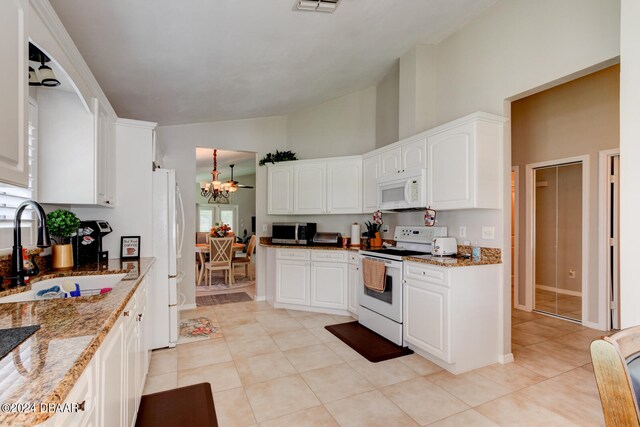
(236, 184)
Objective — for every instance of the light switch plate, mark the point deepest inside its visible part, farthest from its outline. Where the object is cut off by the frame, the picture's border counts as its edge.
(385, 228)
(488, 233)
(264, 227)
(463, 231)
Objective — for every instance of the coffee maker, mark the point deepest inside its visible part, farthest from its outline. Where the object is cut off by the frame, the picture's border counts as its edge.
(88, 242)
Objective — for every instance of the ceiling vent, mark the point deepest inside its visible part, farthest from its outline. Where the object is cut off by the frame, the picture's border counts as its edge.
(316, 5)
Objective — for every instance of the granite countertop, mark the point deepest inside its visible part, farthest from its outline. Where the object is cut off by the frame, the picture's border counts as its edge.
(451, 261)
(5, 254)
(45, 367)
(266, 242)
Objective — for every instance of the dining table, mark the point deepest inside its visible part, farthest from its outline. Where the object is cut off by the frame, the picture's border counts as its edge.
(203, 248)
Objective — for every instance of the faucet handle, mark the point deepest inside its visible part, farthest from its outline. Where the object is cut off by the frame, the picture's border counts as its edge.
(33, 271)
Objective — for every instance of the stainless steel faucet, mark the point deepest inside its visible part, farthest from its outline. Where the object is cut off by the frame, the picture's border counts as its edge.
(18, 271)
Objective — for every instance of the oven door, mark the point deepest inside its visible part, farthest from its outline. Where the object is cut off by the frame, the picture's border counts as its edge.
(389, 302)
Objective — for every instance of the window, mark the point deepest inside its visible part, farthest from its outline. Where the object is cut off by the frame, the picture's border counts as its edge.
(210, 214)
(11, 196)
(205, 218)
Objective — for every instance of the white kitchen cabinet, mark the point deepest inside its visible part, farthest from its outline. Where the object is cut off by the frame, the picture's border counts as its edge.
(280, 189)
(292, 282)
(329, 285)
(310, 188)
(111, 375)
(451, 314)
(344, 186)
(106, 158)
(352, 291)
(465, 164)
(370, 175)
(414, 155)
(14, 119)
(391, 161)
(130, 384)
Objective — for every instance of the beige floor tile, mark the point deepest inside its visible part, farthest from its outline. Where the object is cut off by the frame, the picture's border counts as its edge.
(268, 316)
(470, 387)
(535, 328)
(161, 382)
(207, 311)
(243, 318)
(540, 363)
(317, 320)
(588, 367)
(233, 408)
(336, 382)
(221, 376)
(297, 313)
(524, 338)
(580, 341)
(253, 330)
(279, 397)
(424, 401)
(163, 361)
(419, 364)
(263, 368)
(257, 306)
(312, 357)
(511, 376)
(561, 351)
(295, 339)
(525, 315)
(228, 309)
(383, 373)
(512, 410)
(345, 352)
(323, 335)
(469, 418)
(574, 395)
(342, 319)
(560, 324)
(281, 325)
(202, 353)
(249, 347)
(314, 417)
(371, 409)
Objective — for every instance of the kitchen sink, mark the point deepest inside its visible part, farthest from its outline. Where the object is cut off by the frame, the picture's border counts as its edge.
(86, 283)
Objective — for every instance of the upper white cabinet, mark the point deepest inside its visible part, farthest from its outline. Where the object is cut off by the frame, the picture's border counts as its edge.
(370, 175)
(390, 162)
(14, 165)
(344, 186)
(465, 164)
(414, 155)
(280, 189)
(309, 188)
(106, 159)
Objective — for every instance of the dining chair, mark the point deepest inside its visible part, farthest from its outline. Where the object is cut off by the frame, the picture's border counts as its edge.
(616, 365)
(246, 260)
(220, 255)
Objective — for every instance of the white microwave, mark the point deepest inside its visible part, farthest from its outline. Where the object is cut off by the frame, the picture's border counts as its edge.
(403, 191)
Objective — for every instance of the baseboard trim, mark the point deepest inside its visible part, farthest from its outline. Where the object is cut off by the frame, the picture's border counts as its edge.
(559, 291)
(259, 299)
(188, 307)
(521, 307)
(505, 358)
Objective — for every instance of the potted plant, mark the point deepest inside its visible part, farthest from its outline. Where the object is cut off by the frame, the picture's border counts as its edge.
(279, 156)
(220, 230)
(62, 225)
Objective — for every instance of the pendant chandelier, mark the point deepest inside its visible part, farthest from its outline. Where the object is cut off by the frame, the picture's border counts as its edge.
(216, 190)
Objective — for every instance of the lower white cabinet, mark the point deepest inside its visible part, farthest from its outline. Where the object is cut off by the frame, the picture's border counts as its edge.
(451, 314)
(312, 278)
(352, 291)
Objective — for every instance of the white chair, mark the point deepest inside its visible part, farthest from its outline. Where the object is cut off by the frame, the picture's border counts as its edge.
(220, 255)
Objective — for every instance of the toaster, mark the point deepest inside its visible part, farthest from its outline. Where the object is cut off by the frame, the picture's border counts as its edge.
(443, 246)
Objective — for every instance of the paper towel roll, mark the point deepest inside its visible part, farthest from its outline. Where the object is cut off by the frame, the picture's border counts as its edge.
(355, 234)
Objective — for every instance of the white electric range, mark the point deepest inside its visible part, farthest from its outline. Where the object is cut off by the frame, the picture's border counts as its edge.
(382, 311)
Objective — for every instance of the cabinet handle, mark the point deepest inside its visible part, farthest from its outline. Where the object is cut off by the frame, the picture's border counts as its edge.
(126, 313)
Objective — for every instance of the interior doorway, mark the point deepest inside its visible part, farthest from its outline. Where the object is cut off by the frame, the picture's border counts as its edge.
(610, 233)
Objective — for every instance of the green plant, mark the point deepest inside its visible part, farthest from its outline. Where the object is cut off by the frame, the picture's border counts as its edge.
(62, 224)
(372, 228)
(279, 156)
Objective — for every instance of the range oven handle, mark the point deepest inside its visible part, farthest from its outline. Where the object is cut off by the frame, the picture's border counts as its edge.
(388, 264)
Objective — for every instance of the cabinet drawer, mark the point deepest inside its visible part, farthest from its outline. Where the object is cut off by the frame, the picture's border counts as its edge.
(294, 254)
(354, 258)
(425, 272)
(333, 256)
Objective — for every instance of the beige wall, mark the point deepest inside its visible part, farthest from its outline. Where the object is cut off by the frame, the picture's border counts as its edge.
(387, 94)
(577, 118)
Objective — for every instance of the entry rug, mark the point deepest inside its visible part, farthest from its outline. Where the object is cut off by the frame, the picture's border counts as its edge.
(222, 298)
(370, 345)
(198, 329)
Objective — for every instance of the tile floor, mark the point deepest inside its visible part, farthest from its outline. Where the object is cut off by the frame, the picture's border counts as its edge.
(282, 368)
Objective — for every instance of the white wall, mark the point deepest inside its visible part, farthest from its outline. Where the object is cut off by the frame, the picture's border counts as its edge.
(178, 143)
(416, 104)
(629, 158)
(387, 98)
(339, 127)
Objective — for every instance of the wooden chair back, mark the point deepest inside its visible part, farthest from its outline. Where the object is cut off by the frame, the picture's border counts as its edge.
(202, 237)
(221, 249)
(610, 357)
(251, 246)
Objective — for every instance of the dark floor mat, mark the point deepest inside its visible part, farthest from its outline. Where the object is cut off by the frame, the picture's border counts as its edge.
(222, 298)
(370, 345)
(185, 406)
(13, 337)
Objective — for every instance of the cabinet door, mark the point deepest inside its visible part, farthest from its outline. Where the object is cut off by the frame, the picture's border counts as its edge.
(344, 186)
(370, 175)
(280, 190)
(390, 162)
(354, 280)
(309, 189)
(112, 370)
(292, 282)
(131, 376)
(427, 318)
(329, 285)
(450, 168)
(106, 159)
(414, 155)
(14, 119)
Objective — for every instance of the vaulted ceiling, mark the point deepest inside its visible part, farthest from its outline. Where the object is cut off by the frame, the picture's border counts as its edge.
(190, 61)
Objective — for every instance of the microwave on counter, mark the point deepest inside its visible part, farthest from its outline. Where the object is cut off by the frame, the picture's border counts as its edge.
(404, 191)
(293, 233)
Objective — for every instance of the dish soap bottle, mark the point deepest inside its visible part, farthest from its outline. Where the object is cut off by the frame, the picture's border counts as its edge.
(476, 252)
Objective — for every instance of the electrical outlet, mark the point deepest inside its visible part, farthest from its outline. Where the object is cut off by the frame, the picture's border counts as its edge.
(385, 228)
(264, 227)
(572, 273)
(463, 231)
(488, 233)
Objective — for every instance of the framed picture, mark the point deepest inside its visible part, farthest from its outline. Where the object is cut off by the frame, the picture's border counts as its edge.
(130, 247)
(132, 268)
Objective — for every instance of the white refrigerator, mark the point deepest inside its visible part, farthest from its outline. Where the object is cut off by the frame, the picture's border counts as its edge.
(168, 237)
